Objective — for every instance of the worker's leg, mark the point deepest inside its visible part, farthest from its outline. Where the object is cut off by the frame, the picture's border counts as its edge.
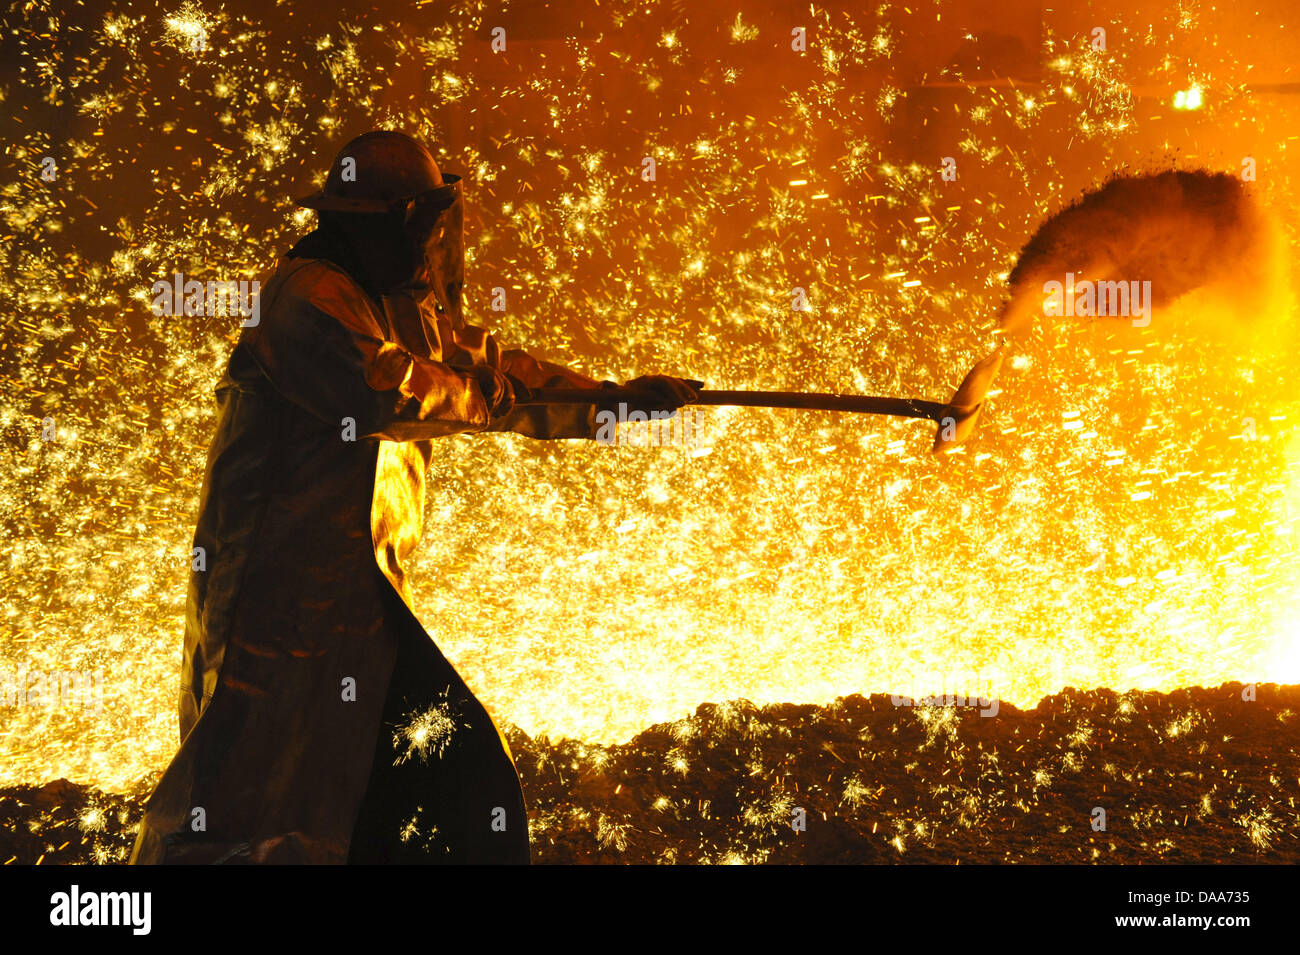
(443, 787)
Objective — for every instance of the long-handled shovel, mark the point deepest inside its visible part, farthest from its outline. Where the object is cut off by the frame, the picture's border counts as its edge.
(955, 420)
(1095, 235)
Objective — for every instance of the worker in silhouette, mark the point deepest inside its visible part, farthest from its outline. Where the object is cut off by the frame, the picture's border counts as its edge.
(319, 722)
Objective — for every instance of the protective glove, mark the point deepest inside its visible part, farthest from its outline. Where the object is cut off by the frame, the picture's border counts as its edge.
(665, 393)
(500, 391)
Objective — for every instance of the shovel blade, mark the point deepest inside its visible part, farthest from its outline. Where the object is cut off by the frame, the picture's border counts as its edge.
(961, 414)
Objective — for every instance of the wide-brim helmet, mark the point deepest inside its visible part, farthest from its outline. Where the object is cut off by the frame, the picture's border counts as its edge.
(386, 172)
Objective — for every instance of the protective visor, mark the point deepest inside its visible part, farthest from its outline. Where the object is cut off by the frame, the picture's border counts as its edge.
(434, 219)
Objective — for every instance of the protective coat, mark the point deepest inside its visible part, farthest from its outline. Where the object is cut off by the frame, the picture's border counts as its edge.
(319, 722)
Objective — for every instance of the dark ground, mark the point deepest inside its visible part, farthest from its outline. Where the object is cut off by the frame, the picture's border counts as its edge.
(1193, 776)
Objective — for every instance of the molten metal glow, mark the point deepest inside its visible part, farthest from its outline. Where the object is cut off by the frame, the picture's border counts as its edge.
(1127, 516)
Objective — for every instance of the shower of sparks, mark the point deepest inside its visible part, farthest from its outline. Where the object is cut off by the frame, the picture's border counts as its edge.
(611, 834)
(1116, 523)
(187, 28)
(1260, 827)
(416, 832)
(426, 735)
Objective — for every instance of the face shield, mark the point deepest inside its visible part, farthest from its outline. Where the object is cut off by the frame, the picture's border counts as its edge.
(434, 226)
(428, 241)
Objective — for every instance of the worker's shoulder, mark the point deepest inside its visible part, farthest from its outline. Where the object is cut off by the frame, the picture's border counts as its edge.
(302, 284)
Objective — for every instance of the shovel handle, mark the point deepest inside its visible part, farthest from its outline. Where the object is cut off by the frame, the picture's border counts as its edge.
(812, 401)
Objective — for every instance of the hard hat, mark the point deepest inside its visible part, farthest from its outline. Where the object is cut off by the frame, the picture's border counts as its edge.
(385, 172)
(376, 172)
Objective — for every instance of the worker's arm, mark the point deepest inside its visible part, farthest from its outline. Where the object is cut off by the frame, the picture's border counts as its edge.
(335, 371)
(471, 347)
(523, 373)
(545, 421)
